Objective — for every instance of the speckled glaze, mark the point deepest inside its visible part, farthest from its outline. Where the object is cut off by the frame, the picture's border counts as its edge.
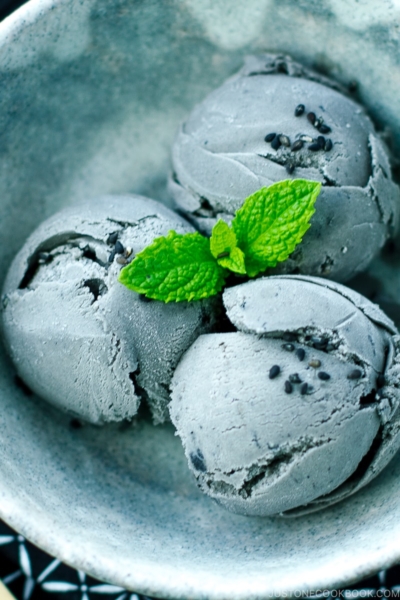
(92, 94)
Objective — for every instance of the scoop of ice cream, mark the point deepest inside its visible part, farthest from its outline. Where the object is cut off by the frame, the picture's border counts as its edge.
(220, 156)
(80, 339)
(296, 409)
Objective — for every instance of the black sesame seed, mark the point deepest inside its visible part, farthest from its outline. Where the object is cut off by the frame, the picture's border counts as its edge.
(288, 387)
(311, 117)
(119, 249)
(330, 347)
(318, 123)
(294, 378)
(298, 144)
(328, 145)
(274, 371)
(321, 141)
(304, 389)
(314, 147)
(380, 380)
(354, 374)
(314, 363)
(299, 110)
(305, 138)
(324, 376)
(284, 140)
(288, 347)
(324, 128)
(300, 353)
(318, 340)
(289, 168)
(112, 238)
(111, 257)
(269, 137)
(276, 144)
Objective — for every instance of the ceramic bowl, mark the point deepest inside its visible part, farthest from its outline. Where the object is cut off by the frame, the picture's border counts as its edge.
(91, 95)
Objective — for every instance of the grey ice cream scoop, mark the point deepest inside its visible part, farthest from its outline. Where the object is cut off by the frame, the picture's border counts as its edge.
(296, 409)
(220, 156)
(78, 337)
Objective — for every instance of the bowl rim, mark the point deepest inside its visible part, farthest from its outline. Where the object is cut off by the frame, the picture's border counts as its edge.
(24, 16)
(169, 585)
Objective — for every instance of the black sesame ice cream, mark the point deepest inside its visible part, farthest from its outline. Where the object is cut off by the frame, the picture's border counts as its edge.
(296, 409)
(276, 120)
(79, 338)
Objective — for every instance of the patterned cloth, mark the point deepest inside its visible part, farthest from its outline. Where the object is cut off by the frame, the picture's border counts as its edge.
(31, 574)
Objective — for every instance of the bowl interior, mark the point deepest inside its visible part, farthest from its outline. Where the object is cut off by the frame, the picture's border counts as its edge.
(92, 94)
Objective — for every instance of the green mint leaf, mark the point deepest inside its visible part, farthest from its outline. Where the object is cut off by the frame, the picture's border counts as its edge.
(175, 268)
(234, 262)
(223, 246)
(222, 240)
(273, 220)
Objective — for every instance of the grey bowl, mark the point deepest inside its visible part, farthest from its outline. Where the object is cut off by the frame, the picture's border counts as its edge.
(92, 93)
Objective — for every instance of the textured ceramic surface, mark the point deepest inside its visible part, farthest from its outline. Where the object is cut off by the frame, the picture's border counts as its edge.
(92, 93)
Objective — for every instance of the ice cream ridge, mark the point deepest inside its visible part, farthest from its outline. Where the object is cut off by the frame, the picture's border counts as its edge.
(228, 315)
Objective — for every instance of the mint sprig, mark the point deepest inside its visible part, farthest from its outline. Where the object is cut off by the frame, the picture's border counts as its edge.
(175, 268)
(224, 248)
(273, 221)
(264, 231)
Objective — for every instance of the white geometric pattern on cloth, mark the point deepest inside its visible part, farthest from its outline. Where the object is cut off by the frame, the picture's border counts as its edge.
(25, 568)
(30, 582)
(104, 588)
(84, 591)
